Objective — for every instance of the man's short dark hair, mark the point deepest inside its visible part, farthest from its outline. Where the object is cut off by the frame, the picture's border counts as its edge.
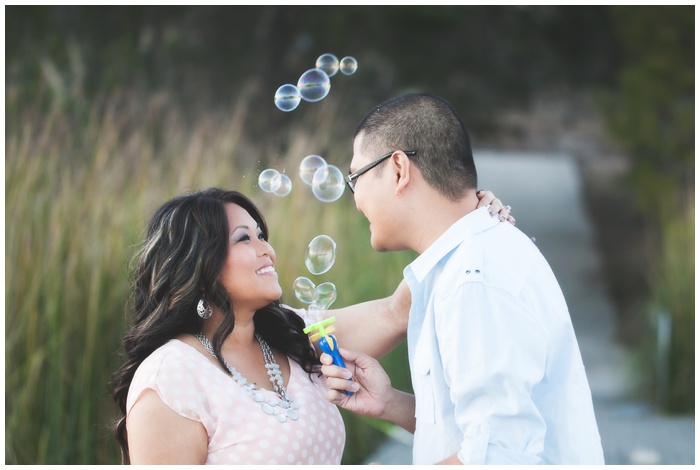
(429, 125)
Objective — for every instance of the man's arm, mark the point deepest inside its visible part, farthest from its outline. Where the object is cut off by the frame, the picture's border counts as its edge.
(490, 371)
(372, 395)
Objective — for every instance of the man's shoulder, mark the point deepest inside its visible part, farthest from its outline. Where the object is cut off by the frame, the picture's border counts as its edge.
(500, 258)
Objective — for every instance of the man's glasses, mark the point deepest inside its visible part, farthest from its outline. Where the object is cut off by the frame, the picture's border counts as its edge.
(350, 179)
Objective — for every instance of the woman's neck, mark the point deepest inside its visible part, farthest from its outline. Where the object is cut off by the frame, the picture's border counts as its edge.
(243, 333)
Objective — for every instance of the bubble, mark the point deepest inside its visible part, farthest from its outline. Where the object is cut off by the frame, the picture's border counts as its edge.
(320, 254)
(314, 314)
(328, 184)
(325, 295)
(328, 63)
(269, 180)
(287, 98)
(348, 65)
(308, 167)
(314, 85)
(304, 289)
(285, 186)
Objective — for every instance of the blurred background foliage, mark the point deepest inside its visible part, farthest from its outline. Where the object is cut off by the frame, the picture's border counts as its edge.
(111, 110)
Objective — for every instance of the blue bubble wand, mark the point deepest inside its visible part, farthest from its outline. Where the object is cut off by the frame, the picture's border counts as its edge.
(326, 341)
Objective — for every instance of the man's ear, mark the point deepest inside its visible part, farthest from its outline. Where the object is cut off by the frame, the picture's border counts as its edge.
(402, 167)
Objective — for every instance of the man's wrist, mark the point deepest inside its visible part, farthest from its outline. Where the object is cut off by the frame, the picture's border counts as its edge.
(400, 410)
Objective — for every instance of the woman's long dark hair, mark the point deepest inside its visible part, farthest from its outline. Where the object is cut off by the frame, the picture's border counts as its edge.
(179, 263)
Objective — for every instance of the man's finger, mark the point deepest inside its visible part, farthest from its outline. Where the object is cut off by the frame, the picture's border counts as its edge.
(326, 359)
(335, 371)
(343, 385)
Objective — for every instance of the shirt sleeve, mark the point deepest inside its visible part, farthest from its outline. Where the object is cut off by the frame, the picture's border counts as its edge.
(493, 353)
(301, 312)
(172, 374)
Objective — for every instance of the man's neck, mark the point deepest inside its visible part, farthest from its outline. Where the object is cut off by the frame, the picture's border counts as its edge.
(436, 215)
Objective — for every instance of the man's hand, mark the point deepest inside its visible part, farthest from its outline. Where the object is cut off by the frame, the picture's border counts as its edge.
(373, 394)
(370, 383)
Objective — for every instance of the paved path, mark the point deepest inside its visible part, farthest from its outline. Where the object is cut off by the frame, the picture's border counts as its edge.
(547, 199)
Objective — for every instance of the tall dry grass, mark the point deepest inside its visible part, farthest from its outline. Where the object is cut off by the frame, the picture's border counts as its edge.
(81, 180)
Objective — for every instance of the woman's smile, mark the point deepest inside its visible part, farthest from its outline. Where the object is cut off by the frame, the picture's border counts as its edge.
(267, 270)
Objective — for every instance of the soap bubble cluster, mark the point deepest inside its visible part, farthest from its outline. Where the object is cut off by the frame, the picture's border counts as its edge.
(327, 181)
(321, 296)
(269, 180)
(314, 84)
(272, 181)
(319, 259)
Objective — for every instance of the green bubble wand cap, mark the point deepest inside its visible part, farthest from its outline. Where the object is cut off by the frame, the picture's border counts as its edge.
(322, 327)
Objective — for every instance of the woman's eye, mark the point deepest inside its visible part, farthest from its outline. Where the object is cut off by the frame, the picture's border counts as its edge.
(243, 238)
(261, 236)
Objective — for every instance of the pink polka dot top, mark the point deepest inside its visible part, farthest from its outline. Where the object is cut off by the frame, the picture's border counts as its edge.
(239, 431)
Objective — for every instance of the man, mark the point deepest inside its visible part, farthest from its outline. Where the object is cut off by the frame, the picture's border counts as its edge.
(495, 364)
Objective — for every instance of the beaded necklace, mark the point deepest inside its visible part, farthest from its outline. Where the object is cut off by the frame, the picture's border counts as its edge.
(273, 370)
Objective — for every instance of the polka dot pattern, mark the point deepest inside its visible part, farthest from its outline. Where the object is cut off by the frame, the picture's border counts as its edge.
(239, 431)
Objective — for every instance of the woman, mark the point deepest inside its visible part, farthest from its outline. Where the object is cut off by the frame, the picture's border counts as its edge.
(217, 370)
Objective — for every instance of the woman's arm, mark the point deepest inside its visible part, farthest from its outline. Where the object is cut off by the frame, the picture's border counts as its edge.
(375, 327)
(158, 435)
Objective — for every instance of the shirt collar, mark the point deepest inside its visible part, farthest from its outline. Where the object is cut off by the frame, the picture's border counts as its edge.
(476, 221)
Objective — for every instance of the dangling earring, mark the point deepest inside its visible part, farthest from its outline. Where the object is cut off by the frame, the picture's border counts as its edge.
(203, 311)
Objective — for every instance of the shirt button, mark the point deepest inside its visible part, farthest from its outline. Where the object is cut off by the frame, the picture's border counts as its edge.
(483, 429)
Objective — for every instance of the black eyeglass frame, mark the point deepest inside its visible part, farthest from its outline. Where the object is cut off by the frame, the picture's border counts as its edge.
(350, 179)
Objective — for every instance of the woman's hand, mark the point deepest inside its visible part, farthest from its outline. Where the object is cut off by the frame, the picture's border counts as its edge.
(487, 198)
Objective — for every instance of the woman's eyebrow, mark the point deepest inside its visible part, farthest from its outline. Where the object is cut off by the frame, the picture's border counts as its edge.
(246, 227)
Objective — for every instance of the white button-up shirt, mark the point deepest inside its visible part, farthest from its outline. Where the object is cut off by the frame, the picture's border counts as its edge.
(495, 364)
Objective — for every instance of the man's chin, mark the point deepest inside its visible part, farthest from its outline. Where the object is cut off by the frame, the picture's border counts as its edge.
(381, 247)
(378, 246)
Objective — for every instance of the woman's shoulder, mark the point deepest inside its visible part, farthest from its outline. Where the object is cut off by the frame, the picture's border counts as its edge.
(170, 370)
(172, 352)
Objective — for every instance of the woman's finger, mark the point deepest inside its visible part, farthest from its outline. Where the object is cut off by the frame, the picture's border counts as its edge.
(485, 197)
